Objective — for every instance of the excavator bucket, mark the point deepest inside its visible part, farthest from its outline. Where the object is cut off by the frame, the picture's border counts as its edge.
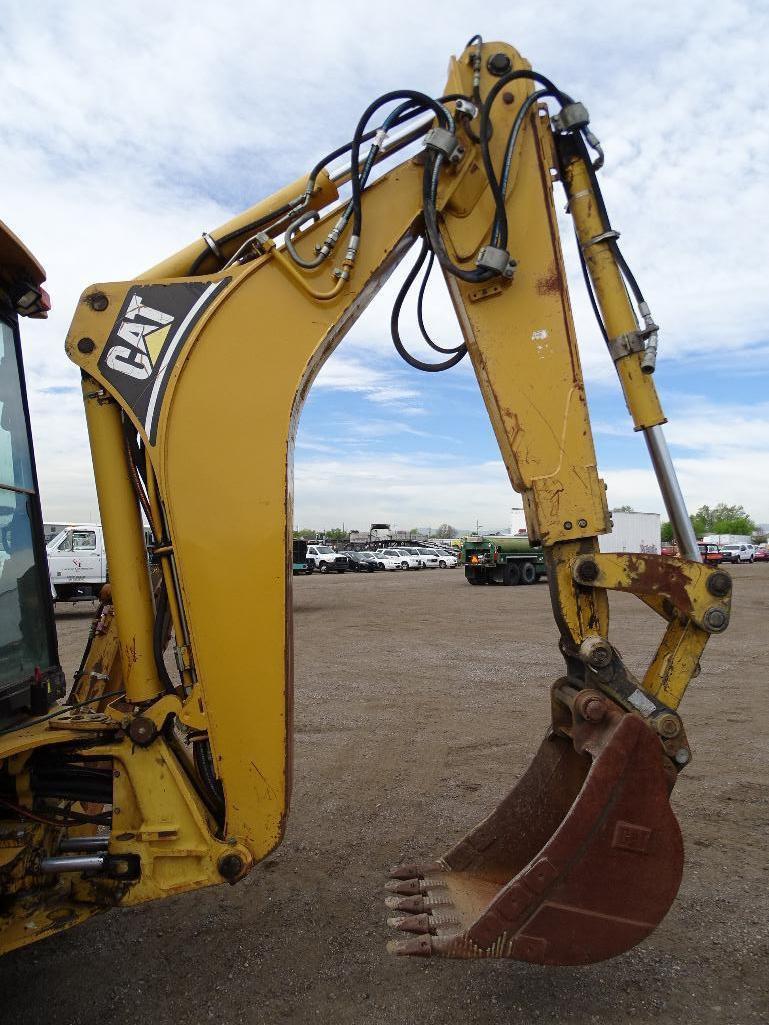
(578, 863)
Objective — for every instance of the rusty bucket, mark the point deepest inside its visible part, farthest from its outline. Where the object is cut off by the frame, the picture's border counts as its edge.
(578, 863)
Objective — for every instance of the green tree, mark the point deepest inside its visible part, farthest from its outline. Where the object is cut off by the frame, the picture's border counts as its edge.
(722, 519)
(336, 534)
(666, 531)
(623, 508)
(306, 534)
(446, 530)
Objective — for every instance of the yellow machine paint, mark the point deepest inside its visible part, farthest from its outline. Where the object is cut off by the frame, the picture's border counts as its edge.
(210, 362)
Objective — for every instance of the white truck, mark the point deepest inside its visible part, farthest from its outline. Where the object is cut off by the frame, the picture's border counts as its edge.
(323, 558)
(77, 562)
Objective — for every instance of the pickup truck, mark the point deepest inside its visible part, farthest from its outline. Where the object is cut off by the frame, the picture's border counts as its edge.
(738, 552)
(77, 562)
(324, 559)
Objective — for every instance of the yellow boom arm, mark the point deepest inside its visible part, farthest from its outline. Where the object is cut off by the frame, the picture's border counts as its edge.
(194, 375)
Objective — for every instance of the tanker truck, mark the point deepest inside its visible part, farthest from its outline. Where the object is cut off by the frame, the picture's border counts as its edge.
(502, 560)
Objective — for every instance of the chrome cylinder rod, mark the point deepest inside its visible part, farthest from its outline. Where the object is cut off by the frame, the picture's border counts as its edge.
(72, 863)
(84, 843)
(671, 494)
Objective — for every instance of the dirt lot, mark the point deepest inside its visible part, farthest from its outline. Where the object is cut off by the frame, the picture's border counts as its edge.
(418, 701)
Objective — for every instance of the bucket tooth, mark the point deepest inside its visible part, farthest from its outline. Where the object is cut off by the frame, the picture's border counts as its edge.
(407, 887)
(413, 923)
(412, 905)
(577, 864)
(414, 946)
(416, 871)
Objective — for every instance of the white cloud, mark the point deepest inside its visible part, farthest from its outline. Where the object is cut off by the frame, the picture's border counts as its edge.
(419, 490)
(129, 128)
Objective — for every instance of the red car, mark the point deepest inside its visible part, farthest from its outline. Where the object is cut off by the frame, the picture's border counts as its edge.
(761, 555)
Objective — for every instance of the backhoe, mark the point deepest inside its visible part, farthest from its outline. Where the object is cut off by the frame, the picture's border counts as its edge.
(146, 782)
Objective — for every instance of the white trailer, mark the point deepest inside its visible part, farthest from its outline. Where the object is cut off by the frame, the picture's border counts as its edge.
(727, 539)
(633, 532)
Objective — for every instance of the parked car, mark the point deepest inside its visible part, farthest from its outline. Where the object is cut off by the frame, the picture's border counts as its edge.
(446, 559)
(669, 549)
(738, 553)
(387, 561)
(360, 562)
(428, 556)
(761, 554)
(404, 557)
(323, 558)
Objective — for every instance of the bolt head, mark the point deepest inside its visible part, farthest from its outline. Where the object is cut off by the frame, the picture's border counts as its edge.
(98, 301)
(594, 710)
(668, 725)
(230, 866)
(499, 64)
(719, 583)
(86, 345)
(715, 620)
(588, 570)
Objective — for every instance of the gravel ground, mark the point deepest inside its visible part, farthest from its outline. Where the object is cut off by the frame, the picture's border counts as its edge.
(419, 700)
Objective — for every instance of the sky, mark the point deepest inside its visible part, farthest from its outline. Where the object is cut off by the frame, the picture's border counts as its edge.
(129, 128)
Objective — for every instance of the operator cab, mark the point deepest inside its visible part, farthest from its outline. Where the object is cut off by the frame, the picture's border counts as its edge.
(30, 676)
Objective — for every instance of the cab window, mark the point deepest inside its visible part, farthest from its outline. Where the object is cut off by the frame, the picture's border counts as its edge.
(83, 540)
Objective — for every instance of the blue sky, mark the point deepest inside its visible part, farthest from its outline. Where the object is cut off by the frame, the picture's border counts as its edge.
(128, 129)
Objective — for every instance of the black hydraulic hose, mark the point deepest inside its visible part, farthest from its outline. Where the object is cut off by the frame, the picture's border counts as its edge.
(591, 293)
(628, 275)
(238, 233)
(418, 100)
(512, 141)
(418, 364)
(204, 764)
(500, 220)
(399, 116)
(420, 302)
(429, 190)
(160, 631)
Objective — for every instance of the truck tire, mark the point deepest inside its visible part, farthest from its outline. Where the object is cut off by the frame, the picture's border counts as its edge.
(528, 573)
(512, 575)
(323, 568)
